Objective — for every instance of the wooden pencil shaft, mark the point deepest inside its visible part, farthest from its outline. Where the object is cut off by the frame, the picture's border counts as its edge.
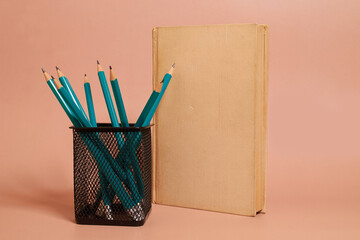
(47, 76)
(57, 83)
(86, 80)
(59, 72)
(99, 68)
(112, 74)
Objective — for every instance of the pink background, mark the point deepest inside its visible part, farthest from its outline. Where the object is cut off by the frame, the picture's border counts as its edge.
(314, 82)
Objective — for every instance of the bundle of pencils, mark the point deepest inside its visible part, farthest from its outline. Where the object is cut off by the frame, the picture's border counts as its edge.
(117, 176)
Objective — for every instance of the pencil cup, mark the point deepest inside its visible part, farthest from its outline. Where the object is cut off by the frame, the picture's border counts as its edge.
(112, 175)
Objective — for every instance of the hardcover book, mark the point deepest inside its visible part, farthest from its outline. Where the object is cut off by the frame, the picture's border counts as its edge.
(210, 134)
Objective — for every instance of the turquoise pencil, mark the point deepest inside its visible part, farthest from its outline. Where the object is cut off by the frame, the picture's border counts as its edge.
(115, 123)
(118, 99)
(148, 111)
(136, 142)
(63, 104)
(124, 123)
(89, 102)
(154, 95)
(107, 96)
(66, 84)
(71, 103)
(150, 107)
(165, 81)
(66, 96)
(139, 123)
(107, 197)
(66, 101)
(111, 176)
(76, 123)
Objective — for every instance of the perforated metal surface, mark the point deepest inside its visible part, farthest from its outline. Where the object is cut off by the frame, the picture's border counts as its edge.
(112, 175)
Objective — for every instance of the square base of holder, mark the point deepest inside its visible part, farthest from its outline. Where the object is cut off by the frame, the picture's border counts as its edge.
(95, 220)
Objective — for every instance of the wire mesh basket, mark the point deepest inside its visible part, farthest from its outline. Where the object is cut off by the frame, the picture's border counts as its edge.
(112, 175)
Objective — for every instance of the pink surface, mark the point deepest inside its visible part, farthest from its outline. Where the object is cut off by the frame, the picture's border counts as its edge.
(313, 168)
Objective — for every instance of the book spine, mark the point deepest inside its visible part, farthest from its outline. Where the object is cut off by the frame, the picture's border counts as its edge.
(260, 118)
(155, 75)
(265, 120)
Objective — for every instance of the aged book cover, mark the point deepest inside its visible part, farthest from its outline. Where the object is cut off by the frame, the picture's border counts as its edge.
(210, 135)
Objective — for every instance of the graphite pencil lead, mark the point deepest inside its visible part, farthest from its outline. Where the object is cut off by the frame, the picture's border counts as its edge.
(110, 67)
(173, 65)
(85, 75)
(57, 68)
(52, 77)
(43, 70)
(97, 61)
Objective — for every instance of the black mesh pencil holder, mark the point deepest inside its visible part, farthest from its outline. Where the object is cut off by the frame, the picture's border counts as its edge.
(112, 175)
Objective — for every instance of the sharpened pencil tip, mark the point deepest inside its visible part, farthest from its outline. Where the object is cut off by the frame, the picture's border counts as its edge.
(85, 75)
(57, 68)
(110, 67)
(52, 77)
(42, 70)
(97, 61)
(173, 65)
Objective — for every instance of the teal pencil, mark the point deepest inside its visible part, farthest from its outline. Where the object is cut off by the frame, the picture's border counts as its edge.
(132, 208)
(112, 177)
(107, 197)
(76, 123)
(66, 96)
(115, 123)
(165, 81)
(66, 84)
(71, 103)
(139, 123)
(107, 96)
(154, 95)
(136, 142)
(89, 102)
(118, 99)
(128, 137)
(63, 104)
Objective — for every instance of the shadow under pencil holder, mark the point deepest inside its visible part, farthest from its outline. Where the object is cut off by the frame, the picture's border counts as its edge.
(112, 175)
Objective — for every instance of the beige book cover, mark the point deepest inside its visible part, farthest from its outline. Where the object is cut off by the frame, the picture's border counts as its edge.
(210, 135)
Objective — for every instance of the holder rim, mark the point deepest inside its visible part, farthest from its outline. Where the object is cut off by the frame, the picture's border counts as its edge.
(107, 127)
